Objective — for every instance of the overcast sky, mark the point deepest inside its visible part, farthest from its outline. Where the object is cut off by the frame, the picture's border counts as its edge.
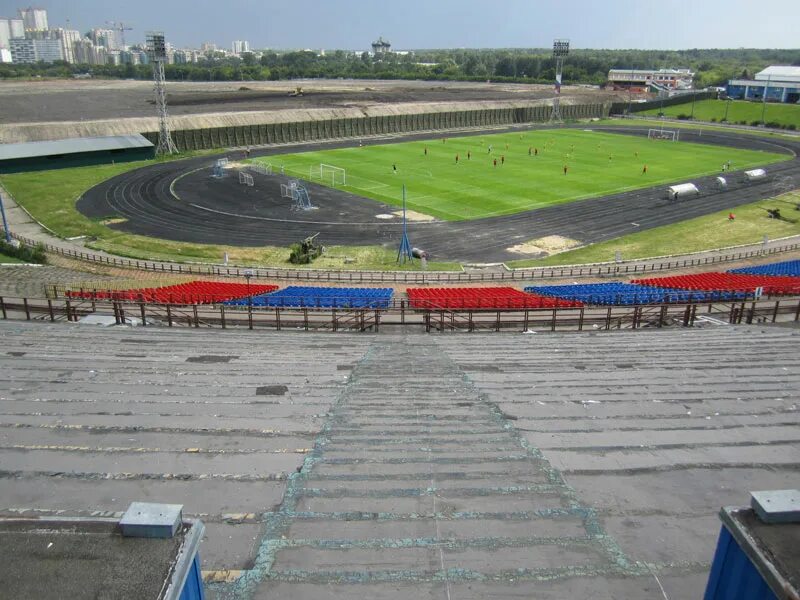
(409, 24)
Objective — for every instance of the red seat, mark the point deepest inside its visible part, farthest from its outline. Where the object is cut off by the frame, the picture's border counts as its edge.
(727, 282)
(486, 298)
(193, 292)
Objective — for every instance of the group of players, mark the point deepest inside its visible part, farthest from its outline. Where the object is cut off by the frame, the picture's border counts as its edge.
(532, 151)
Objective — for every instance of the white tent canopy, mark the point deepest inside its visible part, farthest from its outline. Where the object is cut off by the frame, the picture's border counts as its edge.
(754, 174)
(682, 190)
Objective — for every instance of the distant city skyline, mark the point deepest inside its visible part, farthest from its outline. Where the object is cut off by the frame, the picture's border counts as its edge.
(430, 24)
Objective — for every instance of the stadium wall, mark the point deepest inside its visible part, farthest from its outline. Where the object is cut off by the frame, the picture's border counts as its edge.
(621, 108)
(309, 130)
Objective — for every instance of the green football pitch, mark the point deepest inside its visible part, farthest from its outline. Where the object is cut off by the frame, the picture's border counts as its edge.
(529, 172)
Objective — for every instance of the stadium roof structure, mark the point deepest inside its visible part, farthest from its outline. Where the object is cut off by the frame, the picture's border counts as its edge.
(779, 73)
(73, 146)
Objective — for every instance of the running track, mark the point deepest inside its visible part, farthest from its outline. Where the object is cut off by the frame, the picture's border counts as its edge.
(224, 212)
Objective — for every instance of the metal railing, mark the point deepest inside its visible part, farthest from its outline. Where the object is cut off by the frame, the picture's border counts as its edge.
(415, 277)
(402, 316)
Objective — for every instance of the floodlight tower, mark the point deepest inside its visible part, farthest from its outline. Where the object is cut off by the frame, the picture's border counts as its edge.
(157, 51)
(560, 52)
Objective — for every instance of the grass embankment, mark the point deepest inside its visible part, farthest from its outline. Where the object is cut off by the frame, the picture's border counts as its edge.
(741, 112)
(335, 257)
(50, 196)
(691, 125)
(695, 235)
(474, 187)
(7, 259)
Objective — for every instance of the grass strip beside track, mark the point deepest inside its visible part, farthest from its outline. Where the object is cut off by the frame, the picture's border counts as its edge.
(695, 235)
(6, 259)
(50, 196)
(767, 134)
(740, 112)
(349, 258)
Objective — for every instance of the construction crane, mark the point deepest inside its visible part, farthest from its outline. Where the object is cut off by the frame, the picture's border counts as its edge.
(120, 26)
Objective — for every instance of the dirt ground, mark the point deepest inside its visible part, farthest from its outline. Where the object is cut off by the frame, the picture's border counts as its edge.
(76, 100)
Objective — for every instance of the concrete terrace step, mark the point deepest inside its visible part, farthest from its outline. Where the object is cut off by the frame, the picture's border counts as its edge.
(433, 490)
(396, 466)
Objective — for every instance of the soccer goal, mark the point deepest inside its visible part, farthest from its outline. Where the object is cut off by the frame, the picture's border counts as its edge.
(330, 174)
(262, 168)
(288, 190)
(246, 179)
(670, 135)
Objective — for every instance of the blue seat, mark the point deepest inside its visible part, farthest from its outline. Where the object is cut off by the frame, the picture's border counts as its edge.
(787, 268)
(297, 296)
(617, 293)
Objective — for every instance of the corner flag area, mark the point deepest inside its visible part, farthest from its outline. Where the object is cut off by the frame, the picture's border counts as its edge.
(474, 177)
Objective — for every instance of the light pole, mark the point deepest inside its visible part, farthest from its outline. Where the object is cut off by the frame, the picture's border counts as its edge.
(248, 273)
(5, 223)
(764, 104)
(727, 106)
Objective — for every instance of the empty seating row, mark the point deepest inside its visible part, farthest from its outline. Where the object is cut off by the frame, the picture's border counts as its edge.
(616, 293)
(322, 297)
(481, 298)
(787, 268)
(730, 282)
(193, 292)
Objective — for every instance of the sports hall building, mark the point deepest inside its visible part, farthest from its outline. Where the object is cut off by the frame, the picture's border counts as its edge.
(778, 83)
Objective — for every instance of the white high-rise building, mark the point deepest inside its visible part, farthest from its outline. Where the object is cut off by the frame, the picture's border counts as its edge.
(68, 39)
(17, 27)
(5, 33)
(34, 18)
(83, 52)
(10, 29)
(31, 51)
(108, 38)
(240, 46)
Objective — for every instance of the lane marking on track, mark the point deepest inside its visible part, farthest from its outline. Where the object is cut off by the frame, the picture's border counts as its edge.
(254, 217)
(181, 176)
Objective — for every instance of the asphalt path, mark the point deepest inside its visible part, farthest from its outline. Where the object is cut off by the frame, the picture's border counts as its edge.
(181, 201)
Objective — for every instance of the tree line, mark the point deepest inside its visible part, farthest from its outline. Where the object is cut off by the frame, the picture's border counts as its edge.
(712, 67)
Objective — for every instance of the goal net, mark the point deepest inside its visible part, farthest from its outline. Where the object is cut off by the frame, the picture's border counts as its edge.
(263, 168)
(662, 134)
(245, 178)
(330, 174)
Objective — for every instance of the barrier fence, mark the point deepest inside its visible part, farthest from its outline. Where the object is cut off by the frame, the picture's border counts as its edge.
(403, 317)
(415, 277)
(327, 129)
(621, 108)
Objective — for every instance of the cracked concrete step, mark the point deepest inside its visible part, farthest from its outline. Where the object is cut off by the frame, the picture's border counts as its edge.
(448, 528)
(307, 563)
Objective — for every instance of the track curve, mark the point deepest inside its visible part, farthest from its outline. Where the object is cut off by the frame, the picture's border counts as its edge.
(180, 201)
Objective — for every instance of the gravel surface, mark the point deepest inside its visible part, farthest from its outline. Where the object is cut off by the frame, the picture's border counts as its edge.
(77, 100)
